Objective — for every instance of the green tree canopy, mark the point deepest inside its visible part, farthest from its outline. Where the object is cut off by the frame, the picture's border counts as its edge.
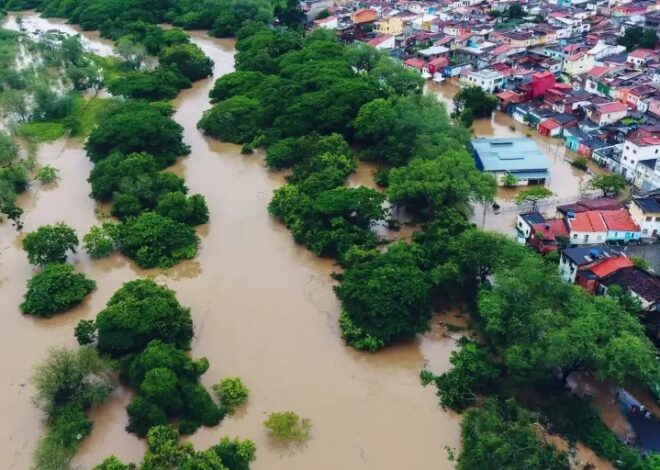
(136, 126)
(501, 434)
(156, 241)
(189, 59)
(384, 299)
(55, 289)
(139, 312)
(50, 244)
(449, 181)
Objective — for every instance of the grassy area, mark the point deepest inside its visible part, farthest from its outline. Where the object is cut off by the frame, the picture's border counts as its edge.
(87, 113)
(80, 123)
(37, 132)
(110, 67)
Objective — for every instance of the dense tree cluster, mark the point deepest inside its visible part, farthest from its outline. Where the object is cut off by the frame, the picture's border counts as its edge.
(636, 36)
(137, 126)
(322, 214)
(124, 17)
(474, 103)
(165, 452)
(149, 332)
(156, 212)
(501, 434)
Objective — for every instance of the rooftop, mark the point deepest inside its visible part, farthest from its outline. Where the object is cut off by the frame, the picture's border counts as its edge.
(643, 283)
(582, 255)
(589, 221)
(518, 154)
(648, 204)
(610, 265)
(619, 220)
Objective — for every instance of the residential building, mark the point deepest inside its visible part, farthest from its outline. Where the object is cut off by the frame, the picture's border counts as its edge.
(488, 80)
(392, 25)
(643, 285)
(382, 41)
(586, 227)
(620, 226)
(549, 235)
(577, 258)
(607, 113)
(637, 149)
(520, 157)
(645, 211)
(589, 277)
(525, 222)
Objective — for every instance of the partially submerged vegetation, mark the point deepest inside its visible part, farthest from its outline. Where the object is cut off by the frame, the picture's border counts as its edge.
(306, 99)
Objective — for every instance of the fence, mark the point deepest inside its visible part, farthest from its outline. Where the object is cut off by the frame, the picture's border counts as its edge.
(546, 203)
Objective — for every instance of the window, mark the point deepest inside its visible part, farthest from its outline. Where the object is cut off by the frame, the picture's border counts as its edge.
(648, 219)
(635, 151)
(575, 237)
(657, 219)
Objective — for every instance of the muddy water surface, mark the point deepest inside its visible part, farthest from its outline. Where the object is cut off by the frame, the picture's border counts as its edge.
(263, 309)
(565, 181)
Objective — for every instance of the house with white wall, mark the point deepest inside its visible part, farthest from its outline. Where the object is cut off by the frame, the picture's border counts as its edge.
(645, 210)
(586, 227)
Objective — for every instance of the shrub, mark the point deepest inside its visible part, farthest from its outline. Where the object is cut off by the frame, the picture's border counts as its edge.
(50, 244)
(85, 332)
(232, 393)
(187, 210)
(580, 163)
(100, 241)
(56, 289)
(288, 426)
(47, 174)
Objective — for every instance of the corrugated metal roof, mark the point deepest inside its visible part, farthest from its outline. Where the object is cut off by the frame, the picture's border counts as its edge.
(514, 155)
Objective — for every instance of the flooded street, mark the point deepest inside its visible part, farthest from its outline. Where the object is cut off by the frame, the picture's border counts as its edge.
(263, 309)
(565, 181)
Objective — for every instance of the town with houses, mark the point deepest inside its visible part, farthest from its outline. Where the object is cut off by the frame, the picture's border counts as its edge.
(583, 72)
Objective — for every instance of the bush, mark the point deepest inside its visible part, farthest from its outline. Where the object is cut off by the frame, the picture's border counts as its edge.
(235, 454)
(232, 393)
(67, 377)
(8, 149)
(47, 174)
(580, 163)
(288, 426)
(56, 289)
(100, 241)
(50, 244)
(85, 332)
(156, 241)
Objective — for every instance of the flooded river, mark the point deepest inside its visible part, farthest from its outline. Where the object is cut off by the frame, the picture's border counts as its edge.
(263, 310)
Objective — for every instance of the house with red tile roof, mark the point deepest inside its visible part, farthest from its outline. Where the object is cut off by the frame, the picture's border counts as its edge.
(607, 113)
(586, 227)
(643, 285)
(382, 41)
(549, 235)
(620, 225)
(639, 57)
(589, 277)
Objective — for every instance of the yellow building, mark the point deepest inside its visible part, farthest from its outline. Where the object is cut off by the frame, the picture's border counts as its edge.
(391, 25)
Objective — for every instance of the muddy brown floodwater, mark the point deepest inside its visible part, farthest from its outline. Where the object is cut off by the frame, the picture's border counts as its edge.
(263, 310)
(565, 181)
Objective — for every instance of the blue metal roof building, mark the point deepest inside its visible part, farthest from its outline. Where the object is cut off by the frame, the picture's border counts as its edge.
(519, 156)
